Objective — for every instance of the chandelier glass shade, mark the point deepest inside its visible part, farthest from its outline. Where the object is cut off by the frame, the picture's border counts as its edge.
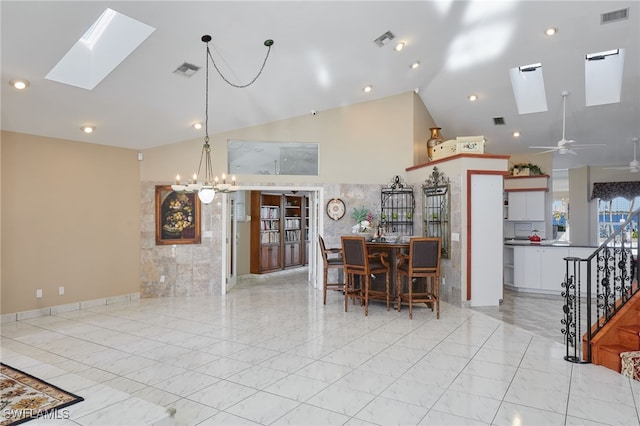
(205, 184)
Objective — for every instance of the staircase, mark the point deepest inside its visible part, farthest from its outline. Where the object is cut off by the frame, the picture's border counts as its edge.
(620, 334)
(607, 281)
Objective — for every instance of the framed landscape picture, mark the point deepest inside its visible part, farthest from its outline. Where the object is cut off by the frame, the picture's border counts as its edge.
(177, 217)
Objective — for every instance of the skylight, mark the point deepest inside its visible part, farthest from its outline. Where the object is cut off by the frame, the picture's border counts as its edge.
(527, 83)
(109, 40)
(603, 77)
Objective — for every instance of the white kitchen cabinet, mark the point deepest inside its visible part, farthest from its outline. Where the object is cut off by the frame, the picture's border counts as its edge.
(526, 268)
(539, 268)
(552, 267)
(526, 205)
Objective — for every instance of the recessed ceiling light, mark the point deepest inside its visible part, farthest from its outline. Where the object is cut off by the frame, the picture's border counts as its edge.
(415, 65)
(551, 31)
(473, 98)
(19, 84)
(399, 46)
(367, 89)
(516, 134)
(88, 129)
(197, 125)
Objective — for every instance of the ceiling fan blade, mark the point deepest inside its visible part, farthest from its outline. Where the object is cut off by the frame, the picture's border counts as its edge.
(544, 152)
(582, 146)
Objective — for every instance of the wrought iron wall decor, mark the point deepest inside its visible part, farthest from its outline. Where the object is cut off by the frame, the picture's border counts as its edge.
(397, 205)
(437, 210)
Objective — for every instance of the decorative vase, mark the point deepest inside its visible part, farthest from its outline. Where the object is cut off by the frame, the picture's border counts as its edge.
(434, 140)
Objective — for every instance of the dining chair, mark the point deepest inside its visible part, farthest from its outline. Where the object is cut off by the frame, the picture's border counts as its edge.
(359, 263)
(332, 259)
(422, 263)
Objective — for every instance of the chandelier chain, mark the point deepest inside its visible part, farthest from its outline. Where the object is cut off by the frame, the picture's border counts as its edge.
(239, 86)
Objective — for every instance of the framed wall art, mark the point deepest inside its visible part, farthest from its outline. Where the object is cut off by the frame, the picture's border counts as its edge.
(177, 217)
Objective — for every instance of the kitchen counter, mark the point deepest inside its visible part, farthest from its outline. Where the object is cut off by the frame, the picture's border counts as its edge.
(540, 267)
(546, 243)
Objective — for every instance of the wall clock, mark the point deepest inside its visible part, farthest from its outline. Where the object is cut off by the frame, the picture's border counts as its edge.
(336, 208)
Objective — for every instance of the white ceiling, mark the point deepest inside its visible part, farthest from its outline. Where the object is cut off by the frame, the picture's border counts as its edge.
(323, 56)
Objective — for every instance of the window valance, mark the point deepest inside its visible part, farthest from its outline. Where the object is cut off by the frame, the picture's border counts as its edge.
(607, 191)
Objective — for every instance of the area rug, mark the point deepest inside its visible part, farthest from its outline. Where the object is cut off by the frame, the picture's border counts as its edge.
(25, 397)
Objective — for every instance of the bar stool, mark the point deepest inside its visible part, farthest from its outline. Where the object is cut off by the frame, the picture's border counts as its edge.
(423, 261)
(332, 259)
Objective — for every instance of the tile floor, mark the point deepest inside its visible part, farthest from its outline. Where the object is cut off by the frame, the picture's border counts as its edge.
(270, 353)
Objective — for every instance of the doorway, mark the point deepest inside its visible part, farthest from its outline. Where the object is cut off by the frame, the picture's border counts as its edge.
(236, 236)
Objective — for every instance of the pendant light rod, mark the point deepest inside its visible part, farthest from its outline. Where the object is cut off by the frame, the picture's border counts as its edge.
(564, 94)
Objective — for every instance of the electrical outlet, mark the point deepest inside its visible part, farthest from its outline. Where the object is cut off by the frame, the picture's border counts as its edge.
(60, 291)
(443, 282)
(162, 278)
(39, 293)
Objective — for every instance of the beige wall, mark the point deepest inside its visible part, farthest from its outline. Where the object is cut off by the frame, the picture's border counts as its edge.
(367, 142)
(70, 217)
(422, 121)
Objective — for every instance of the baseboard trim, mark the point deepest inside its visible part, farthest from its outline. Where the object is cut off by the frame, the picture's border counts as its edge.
(76, 306)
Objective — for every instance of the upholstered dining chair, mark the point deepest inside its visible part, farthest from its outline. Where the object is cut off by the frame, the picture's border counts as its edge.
(332, 259)
(359, 263)
(422, 263)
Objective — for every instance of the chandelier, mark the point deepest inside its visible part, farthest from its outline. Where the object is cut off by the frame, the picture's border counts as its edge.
(209, 185)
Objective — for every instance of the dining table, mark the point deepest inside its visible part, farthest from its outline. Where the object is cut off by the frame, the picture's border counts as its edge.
(393, 249)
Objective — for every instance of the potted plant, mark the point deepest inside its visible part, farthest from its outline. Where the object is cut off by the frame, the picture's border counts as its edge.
(525, 169)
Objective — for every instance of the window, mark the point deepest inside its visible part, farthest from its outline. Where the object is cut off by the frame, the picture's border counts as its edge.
(272, 158)
(560, 219)
(614, 212)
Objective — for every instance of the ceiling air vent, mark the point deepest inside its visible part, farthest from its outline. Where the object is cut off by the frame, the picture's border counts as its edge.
(498, 121)
(616, 15)
(384, 39)
(186, 69)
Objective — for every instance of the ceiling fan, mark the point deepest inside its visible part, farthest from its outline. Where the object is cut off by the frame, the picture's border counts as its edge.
(564, 146)
(634, 166)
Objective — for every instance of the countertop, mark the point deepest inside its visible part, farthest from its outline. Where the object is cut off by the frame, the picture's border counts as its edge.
(552, 243)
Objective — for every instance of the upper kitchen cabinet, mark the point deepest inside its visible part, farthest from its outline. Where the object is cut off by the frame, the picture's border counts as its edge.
(529, 206)
(526, 197)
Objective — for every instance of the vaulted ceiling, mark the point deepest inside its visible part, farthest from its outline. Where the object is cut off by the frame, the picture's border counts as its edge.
(323, 56)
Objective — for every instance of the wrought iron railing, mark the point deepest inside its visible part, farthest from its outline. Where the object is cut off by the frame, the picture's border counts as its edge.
(597, 287)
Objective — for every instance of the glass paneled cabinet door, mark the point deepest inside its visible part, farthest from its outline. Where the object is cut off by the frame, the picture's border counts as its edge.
(437, 203)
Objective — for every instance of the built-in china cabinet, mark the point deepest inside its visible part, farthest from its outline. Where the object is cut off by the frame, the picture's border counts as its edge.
(278, 231)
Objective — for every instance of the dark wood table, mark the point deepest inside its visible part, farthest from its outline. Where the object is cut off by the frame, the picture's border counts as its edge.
(393, 249)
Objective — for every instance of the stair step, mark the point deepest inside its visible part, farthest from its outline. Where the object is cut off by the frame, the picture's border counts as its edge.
(629, 335)
(610, 356)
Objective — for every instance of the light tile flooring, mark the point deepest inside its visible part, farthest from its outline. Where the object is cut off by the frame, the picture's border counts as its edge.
(538, 313)
(270, 353)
